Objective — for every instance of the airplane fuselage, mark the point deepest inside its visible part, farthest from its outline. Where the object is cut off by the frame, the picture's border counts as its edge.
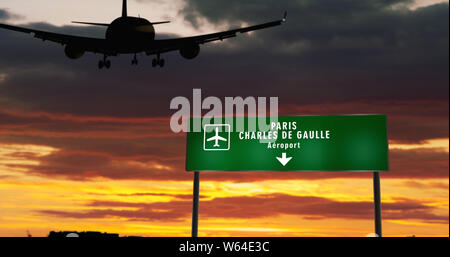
(130, 34)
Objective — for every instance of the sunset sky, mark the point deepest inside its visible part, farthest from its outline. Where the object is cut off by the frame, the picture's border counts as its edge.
(89, 150)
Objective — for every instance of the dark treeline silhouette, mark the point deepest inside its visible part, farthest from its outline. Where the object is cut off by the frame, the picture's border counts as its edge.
(86, 234)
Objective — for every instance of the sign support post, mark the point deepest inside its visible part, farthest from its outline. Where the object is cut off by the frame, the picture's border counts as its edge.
(195, 202)
(377, 202)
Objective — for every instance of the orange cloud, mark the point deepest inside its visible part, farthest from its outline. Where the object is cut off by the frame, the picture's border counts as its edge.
(259, 206)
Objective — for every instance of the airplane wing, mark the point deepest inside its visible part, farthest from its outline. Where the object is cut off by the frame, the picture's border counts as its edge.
(167, 45)
(221, 139)
(95, 45)
(98, 45)
(211, 139)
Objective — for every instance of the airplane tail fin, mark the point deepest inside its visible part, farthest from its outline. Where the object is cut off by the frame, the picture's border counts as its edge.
(124, 8)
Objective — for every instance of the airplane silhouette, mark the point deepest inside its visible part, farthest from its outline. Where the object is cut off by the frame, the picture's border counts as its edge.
(216, 138)
(132, 35)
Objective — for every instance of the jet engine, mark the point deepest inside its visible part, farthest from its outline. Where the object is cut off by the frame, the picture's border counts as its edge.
(190, 51)
(74, 52)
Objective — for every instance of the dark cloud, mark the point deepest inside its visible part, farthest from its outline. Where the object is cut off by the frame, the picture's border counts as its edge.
(330, 57)
(346, 48)
(251, 11)
(50, 125)
(141, 148)
(268, 205)
(331, 52)
(407, 121)
(88, 166)
(6, 15)
(3, 15)
(402, 165)
(160, 164)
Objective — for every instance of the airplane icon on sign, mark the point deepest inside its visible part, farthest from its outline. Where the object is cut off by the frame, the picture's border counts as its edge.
(216, 138)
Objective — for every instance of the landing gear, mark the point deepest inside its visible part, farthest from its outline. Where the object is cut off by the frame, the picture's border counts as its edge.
(134, 61)
(104, 63)
(158, 61)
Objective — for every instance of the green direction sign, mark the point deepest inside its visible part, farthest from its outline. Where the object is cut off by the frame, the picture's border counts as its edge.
(294, 143)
